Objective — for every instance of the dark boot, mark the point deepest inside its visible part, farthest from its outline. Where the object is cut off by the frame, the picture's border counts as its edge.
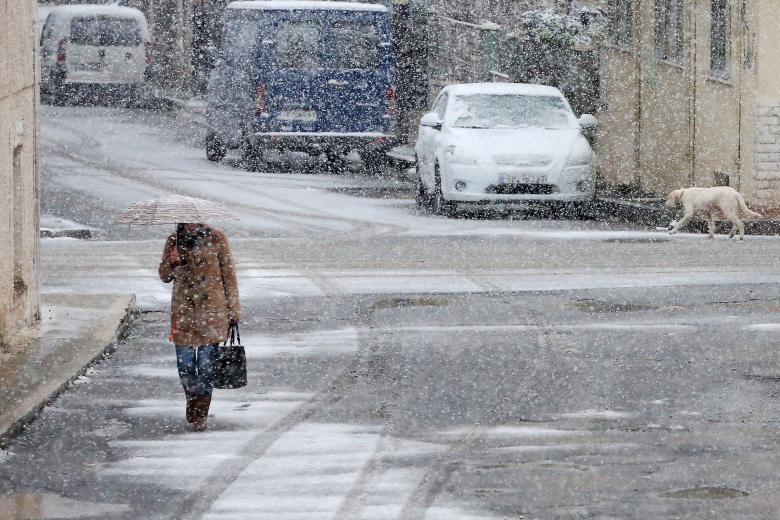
(190, 407)
(201, 409)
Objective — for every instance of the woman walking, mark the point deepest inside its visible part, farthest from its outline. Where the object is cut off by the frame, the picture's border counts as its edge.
(204, 303)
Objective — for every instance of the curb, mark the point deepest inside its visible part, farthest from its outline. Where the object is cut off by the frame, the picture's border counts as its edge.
(657, 216)
(607, 208)
(29, 408)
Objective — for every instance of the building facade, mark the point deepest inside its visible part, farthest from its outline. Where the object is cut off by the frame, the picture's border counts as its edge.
(689, 96)
(19, 186)
(552, 42)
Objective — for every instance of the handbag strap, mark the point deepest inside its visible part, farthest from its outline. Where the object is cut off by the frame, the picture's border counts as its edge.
(233, 335)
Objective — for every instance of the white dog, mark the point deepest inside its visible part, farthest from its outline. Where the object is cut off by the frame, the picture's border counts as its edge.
(711, 200)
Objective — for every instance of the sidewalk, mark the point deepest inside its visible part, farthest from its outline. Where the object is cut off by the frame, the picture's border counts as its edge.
(652, 212)
(75, 330)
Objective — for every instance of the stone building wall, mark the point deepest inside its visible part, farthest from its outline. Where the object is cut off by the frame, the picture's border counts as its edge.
(766, 167)
(19, 187)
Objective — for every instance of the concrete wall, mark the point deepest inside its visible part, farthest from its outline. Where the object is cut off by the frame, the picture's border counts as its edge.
(668, 125)
(19, 187)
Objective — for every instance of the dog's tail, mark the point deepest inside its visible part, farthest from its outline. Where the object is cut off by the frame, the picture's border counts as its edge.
(745, 210)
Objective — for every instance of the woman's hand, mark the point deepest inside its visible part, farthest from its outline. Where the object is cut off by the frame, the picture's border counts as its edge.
(174, 257)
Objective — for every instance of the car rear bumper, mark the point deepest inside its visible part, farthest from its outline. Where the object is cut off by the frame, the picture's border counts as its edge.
(339, 142)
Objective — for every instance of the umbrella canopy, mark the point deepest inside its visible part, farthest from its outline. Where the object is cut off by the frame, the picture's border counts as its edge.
(173, 210)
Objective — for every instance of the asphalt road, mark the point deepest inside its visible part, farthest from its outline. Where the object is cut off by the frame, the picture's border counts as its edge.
(402, 365)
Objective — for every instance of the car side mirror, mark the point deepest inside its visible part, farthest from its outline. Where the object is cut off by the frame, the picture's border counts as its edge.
(588, 122)
(431, 120)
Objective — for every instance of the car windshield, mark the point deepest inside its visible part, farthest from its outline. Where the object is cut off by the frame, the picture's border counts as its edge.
(105, 31)
(510, 111)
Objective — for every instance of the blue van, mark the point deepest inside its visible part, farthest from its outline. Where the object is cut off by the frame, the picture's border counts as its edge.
(313, 76)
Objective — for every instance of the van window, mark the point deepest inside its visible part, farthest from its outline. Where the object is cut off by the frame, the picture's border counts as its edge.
(354, 45)
(298, 45)
(105, 31)
(238, 40)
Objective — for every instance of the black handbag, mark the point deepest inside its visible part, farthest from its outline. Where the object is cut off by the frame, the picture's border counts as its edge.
(230, 362)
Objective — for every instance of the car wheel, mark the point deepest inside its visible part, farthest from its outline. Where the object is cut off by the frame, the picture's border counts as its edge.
(581, 210)
(215, 148)
(441, 206)
(375, 162)
(421, 197)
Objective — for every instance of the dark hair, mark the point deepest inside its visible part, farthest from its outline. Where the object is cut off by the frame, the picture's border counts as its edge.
(186, 241)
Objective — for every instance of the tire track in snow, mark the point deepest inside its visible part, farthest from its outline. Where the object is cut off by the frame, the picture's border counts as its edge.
(200, 501)
(360, 228)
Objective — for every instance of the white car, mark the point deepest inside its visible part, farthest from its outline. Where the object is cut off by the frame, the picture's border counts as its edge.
(487, 143)
(94, 44)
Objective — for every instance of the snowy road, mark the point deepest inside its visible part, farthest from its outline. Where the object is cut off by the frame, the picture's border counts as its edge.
(405, 366)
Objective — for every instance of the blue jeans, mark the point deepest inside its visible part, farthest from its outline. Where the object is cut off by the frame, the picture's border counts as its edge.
(196, 367)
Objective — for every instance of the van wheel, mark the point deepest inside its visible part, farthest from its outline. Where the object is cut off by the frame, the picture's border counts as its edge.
(441, 206)
(215, 148)
(252, 158)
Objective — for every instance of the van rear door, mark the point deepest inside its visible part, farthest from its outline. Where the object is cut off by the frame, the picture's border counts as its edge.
(359, 71)
(291, 63)
(106, 49)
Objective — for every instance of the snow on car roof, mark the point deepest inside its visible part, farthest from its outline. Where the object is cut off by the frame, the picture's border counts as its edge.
(287, 5)
(526, 89)
(93, 9)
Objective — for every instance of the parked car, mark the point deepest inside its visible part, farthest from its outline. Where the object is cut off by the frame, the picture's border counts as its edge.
(489, 143)
(308, 76)
(105, 45)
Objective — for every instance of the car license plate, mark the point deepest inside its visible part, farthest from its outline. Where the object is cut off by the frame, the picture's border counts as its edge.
(522, 179)
(89, 67)
(298, 115)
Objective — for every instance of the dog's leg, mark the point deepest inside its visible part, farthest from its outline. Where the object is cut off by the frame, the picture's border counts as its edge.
(741, 227)
(686, 218)
(711, 225)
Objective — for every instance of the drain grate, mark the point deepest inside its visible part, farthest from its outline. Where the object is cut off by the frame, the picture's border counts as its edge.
(706, 493)
(398, 303)
(596, 306)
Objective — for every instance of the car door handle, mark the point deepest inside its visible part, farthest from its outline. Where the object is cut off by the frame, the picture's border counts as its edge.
(338, 83)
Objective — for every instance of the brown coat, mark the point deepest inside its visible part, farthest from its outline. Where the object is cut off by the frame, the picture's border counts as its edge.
(205, 291)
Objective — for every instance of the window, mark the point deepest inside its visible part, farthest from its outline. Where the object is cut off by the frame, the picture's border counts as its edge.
(440, 106)
(298, 45)
(720, 39)
(669, 30)
(621, 21)
(511, 111)
(238, 40)
(105, 31)
(354, 45)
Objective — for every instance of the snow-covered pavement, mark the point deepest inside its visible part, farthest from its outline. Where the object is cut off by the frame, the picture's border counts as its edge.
(404, 366)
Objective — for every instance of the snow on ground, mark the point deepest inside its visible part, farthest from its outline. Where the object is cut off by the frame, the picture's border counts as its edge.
(99, 162)
(53, 223)
(325, 471)
(325, 342)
